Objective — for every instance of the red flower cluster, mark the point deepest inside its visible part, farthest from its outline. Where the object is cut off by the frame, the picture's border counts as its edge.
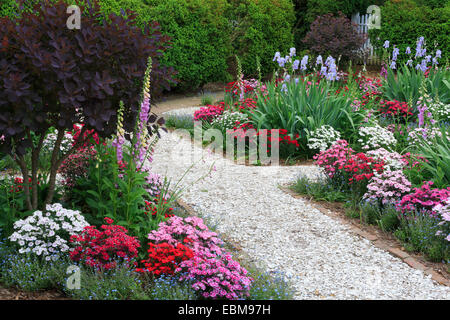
(152, 207)
(283, 137)
(394, 108)
(18, 185)
(91, 134)
(209, 112)
(163, 258)
(362, 167)
(248, 103)
(102, 249)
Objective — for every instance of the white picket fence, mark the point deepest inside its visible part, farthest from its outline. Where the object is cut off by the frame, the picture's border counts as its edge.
(370, 56)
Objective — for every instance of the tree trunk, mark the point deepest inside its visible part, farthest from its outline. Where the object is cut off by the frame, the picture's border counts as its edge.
(24, 169)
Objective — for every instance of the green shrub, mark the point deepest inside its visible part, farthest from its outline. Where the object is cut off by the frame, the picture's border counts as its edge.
(260, 28)
(200, 39)
(404, 21)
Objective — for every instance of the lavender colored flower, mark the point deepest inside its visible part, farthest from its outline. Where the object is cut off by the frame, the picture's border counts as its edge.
(393, 65)
(295, 65)
(319, 60)
(395, 53)
(408, 50)
(438, 53)
(386, 44)
(281, 62)
(292, 52)
(277, 56)
(409, 63)
(303, 63)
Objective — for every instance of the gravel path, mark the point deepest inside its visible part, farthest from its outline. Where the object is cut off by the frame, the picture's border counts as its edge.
(281, 233)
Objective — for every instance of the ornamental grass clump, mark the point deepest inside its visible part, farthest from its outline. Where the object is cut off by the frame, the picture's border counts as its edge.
(46, 234)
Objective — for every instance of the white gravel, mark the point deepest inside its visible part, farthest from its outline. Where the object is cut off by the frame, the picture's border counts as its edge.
(281, 233)
(183, 112)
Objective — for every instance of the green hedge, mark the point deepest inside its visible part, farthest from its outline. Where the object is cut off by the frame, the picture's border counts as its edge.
(261, 28)
(402, 22)
(200, 39)
(206, 34)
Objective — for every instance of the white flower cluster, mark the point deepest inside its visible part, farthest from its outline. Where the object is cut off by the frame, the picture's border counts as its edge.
(50, 140)
(228, 119)
(323, 138)
(440, 110)
(375, 137)
(418, 135)
(46, 234)
(393, 161)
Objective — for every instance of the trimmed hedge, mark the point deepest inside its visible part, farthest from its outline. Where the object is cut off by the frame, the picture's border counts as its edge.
(261, 28)
(402, 22)
(200, 36)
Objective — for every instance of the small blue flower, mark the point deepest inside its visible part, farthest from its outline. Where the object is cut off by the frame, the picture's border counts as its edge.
(386, 44)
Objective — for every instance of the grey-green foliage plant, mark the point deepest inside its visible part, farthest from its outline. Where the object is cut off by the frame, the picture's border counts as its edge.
(300, 108)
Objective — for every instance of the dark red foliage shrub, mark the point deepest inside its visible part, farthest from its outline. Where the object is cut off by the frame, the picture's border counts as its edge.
(51, 76)
(335, 36)
(103, 249)
(164, 258)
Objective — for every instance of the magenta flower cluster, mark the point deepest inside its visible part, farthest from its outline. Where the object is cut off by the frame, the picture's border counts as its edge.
(387, 187)
(335, 158)
(212, 270)
(424, 199)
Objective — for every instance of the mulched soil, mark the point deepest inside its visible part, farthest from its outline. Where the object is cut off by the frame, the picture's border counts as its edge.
(16, 294)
